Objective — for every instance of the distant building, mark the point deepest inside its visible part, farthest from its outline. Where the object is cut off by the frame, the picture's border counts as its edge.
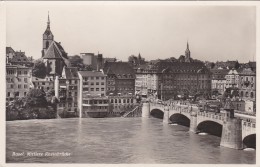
(219, 81)
(17, 58)
(232, 78)
(247, 84)
(171, 79)
(18, 81)
(120, 78)
(46, 83)
(92, 99)
(95, 61)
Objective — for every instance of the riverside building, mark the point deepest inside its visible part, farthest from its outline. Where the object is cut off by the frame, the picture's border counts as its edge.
(93, 101)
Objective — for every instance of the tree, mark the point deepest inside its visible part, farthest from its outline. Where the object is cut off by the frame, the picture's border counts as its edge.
(39, 69)
(181, 58)
(77, 61)
(212, 65)
(237, 65)
(36, 98)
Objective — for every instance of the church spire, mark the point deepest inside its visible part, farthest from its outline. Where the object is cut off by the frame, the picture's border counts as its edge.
(48, 23)
(187, 53)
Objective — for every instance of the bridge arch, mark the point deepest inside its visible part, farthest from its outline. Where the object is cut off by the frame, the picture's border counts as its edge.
(211, 127)
(249, 141)
(157, 113)
(180, 119)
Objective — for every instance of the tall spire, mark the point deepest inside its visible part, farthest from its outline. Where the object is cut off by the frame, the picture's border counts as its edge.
(187, 53)
(48, 23)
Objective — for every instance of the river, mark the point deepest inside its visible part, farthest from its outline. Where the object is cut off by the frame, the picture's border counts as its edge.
(114, 140)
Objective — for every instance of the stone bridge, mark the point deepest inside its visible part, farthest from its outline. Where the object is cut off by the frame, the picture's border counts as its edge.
(234, 130)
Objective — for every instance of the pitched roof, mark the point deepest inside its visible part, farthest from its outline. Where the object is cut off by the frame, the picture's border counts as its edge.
(70, 73)
(9, 50)
(247, 71)
(19, 57)
(52, 52)
(177, 67)
(119, 68)
(91, 73)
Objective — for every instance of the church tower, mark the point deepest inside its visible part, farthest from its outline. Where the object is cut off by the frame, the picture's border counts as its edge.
(187, 54)
(47, 37)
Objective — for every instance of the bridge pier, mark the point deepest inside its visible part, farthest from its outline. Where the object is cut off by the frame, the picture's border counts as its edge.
(193, 121)
(231, 129)
(146, 110)
(166, 115)
(232, 134)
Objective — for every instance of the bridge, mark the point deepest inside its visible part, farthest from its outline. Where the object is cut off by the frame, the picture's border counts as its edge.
(236, 132)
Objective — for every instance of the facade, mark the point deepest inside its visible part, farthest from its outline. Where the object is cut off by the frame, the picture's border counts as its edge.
(120, 78)
(219, 81)
(67, 90)
(247, 84)
(46, 83)
(92, 99)
(18, 81)
(232, 78)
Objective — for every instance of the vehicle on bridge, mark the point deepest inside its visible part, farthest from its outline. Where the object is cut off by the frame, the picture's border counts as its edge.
(211, 106)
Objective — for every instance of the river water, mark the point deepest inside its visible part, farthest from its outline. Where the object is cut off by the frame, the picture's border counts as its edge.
(114, 140)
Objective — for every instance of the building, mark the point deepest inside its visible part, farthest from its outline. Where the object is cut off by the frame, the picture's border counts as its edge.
(92, 99)
(18, 81)
(171, 79)
(17, 58)
(67, 90)
(232, 78)
(95, 61)
(53, 54)
(46, 83)
(120, 78)
(218, 82)
(247, 84)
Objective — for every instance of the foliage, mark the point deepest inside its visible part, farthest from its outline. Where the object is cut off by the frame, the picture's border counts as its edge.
(77, 61)
(136, 60)
(39, 69)
(212, 65)
(237, 65)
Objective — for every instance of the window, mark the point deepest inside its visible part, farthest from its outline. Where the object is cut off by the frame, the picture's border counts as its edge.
(11, 86)
(92, 83)
(25, 72)
(25, 80)
(97, 77)
(19, 86)
(102, 89)
(19, 79)
(25, 86)
(43, 83)
(92, 77)
(75, 104)
(102, 78)
(102, 83)
(97, 83)
(76, 81)
(97, 89)
(24, 93)
(252, 95)
(8, 94)
(92, 89)
(85, 78)
(19, 72)
(85, 89)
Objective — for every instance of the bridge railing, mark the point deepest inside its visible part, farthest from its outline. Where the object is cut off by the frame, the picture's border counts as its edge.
(249, 124)
(217, 116)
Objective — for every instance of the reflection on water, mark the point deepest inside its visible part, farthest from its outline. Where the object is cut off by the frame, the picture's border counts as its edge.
(116, 140)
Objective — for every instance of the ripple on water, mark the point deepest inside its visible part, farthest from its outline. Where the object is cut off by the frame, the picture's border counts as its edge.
(117, 140)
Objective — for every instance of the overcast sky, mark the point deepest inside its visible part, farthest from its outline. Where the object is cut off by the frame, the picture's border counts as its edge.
(215, 33)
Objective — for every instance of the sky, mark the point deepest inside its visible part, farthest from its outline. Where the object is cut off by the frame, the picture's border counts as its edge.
(215, 33)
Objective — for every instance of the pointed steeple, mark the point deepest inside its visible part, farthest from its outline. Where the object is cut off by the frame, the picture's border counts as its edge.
(48, 23)
(187, 53)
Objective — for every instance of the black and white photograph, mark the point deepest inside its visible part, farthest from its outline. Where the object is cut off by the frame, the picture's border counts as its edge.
(129, 83)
